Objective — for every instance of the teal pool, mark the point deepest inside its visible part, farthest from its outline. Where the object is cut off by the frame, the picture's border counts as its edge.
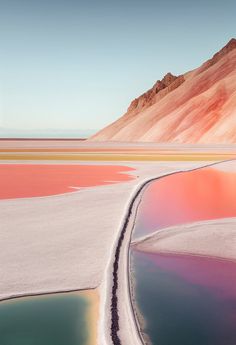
(51, 320)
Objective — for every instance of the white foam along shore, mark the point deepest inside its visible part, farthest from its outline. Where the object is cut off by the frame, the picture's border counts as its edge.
(67, 242)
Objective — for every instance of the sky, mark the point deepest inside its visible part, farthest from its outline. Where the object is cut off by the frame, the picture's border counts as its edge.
(68, 64)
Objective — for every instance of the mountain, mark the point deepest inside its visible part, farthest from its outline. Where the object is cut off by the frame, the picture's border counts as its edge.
(196, 107)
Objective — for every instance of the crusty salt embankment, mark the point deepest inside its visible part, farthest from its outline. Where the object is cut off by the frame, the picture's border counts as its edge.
(121, 287)
(215, 238)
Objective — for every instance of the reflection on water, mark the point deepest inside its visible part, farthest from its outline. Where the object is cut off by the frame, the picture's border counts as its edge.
(52, 320)
(186, 197)
(186, 300)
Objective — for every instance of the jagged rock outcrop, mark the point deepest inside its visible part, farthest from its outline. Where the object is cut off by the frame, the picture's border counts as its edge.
(169, 83)
(197, 107)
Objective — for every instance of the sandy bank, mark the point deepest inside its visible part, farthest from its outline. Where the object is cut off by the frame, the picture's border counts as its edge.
(93, 314)
(109, 145)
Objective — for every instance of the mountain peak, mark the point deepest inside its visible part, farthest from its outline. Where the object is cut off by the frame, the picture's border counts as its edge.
(196, 107)
(167, 84)
(168, 79)
(232, 43)
(226, 49)
(220, 54)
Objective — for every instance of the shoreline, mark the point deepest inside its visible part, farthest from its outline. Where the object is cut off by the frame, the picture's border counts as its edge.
(130, 218)
(190, 239)
(91, 316)
(140, 320)
(44, 293)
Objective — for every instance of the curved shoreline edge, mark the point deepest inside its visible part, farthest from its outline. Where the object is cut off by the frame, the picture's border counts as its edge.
(44, 293)
(114, 309)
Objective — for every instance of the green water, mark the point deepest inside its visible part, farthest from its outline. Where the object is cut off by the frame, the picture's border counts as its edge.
(54, 320)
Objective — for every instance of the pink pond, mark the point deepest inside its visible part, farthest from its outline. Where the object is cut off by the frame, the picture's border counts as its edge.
(186, 299)
(187, 197)
(33, 180)
(215, 274)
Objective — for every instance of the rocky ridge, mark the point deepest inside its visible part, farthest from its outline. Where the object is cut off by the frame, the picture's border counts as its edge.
(196, 107)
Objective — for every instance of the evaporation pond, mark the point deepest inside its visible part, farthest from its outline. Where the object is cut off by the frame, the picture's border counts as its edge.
(51, 320)
(186, 197)
(185, 300)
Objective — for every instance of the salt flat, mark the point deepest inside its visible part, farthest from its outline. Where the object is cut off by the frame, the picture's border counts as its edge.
(214, 238)
(67, 242)
(64, 242)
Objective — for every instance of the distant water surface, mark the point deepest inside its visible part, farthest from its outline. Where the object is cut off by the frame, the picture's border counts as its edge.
(45, 134)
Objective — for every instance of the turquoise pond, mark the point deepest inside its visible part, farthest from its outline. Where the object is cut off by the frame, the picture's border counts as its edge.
(52, 320)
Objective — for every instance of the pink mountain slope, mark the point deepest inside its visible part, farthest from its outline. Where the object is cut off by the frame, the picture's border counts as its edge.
(197, 107)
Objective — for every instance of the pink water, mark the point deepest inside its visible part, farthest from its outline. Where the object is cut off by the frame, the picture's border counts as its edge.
(184, 299)
(186, 197)
(217, 275)
(37, 180)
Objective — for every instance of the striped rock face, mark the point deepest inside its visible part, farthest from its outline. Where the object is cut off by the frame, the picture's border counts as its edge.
(197, 107)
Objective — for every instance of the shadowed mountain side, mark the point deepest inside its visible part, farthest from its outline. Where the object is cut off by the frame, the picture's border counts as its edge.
(197, 107)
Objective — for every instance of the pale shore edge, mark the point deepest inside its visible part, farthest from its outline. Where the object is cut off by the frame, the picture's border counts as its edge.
(127, 323)
(185, 227)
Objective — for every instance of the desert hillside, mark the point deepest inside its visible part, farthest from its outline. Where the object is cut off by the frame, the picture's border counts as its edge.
(196, 107)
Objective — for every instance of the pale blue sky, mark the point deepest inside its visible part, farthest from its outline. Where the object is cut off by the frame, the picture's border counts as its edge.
(78, 64)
